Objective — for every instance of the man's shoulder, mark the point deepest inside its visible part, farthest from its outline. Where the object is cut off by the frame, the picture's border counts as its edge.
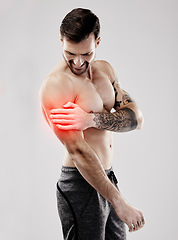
(55, 87)
(102, 63)
(56, 81)
(106, 68)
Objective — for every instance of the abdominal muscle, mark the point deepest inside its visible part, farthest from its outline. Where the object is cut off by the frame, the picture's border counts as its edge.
(101, 142)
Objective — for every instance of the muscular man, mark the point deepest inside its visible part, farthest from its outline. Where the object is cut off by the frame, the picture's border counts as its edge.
(77, 98)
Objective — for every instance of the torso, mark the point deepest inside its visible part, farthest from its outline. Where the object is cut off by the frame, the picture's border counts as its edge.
(94, 95)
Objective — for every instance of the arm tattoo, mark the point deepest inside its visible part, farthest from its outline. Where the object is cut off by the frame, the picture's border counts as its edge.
(123, 120)
(117, 103)
(125, 97)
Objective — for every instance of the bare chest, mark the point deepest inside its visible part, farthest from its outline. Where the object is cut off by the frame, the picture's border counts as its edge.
(96, 95)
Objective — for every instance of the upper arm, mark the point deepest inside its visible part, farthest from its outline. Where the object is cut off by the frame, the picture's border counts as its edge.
(122, 98)
(54, 93)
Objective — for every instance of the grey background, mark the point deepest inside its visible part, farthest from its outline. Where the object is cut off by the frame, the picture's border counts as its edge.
(139, 39)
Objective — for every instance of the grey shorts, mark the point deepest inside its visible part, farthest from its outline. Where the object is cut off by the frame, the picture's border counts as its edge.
(84, 213)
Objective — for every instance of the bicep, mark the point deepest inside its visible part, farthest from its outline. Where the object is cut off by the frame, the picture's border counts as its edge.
(70, 139)
(122, 98)
(53, 99)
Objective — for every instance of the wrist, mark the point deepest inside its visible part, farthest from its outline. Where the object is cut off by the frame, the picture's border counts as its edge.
(91, 122)
(116, 199)
(119, 203)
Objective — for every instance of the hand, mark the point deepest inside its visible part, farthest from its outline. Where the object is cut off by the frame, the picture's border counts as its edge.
(71, 117)
(131, 216)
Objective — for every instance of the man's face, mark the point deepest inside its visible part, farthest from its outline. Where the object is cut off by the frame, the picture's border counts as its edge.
(79, 56)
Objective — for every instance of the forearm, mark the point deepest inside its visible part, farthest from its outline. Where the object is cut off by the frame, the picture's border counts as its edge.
(90, 167)
(123, 120)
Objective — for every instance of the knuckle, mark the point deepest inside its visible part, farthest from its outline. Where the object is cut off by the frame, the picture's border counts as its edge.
(129, 222)
(141, 213)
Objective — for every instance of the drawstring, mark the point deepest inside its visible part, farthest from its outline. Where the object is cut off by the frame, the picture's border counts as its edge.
(112, 177)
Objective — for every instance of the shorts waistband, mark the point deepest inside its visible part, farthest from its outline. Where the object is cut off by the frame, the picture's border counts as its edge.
(74, 169)
(109, 172)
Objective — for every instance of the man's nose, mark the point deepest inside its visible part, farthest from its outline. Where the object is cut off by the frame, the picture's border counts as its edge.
(78, 61)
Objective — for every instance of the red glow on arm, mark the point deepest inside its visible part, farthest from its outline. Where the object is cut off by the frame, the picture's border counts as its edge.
(71, 117)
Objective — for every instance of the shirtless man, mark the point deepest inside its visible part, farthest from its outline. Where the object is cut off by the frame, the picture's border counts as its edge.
(77, 98)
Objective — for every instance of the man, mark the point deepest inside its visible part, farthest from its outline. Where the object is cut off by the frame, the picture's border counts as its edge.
(77, 98)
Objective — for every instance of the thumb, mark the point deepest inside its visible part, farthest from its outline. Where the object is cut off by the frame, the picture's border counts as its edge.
(69, 104)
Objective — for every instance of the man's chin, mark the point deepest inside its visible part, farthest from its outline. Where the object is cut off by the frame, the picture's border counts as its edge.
(79, 72)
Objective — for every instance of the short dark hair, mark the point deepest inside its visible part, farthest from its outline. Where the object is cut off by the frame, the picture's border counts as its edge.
(78, 24)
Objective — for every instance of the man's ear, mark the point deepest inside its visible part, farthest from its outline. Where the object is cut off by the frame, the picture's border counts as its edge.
(98, 40)
(61, 38)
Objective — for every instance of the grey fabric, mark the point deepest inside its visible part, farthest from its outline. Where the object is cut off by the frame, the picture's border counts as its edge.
(84, 213)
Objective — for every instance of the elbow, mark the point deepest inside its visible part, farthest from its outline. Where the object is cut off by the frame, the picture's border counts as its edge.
(70, 139)
(140, 120)
(74, 148)
(80, 154)
(77, 155)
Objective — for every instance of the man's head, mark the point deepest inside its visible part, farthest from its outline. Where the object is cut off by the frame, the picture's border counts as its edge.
(79, 24)
(80, 37)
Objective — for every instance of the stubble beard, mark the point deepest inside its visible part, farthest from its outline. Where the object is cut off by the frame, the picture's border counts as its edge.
(69, 64)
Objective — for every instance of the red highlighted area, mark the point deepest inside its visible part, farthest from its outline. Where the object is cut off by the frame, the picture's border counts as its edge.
(70, 117)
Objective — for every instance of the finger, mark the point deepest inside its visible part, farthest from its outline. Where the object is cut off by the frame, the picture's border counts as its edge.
(55, 110)
(62, 116)
(131, 228)
(136, 227)
(70, 104)
(143, 220)
(140, 220)
(69, 127)
(63, 121)
(139, 224)
(65, 111)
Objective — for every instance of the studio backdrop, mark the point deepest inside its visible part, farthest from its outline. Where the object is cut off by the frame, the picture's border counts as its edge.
(139, 39)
